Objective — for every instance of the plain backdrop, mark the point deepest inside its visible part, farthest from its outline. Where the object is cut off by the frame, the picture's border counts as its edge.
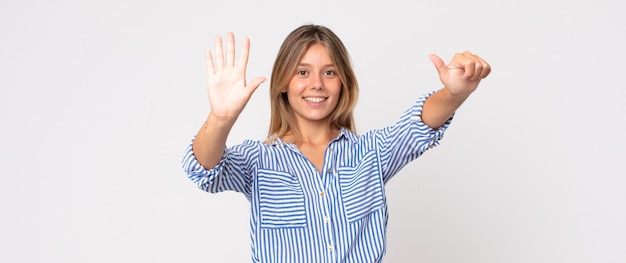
(98, 100)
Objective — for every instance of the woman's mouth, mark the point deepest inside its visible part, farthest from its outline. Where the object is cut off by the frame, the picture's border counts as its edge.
(315, 99)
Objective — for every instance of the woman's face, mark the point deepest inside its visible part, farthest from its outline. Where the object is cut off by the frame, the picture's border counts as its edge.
(314, 89)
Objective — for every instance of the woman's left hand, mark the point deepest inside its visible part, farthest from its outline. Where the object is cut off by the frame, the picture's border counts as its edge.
(463, 74)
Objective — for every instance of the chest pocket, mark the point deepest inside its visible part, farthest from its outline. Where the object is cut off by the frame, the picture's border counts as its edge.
(361, 187)
(281, 200)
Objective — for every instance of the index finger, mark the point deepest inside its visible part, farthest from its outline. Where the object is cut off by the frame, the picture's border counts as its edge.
(245, 52)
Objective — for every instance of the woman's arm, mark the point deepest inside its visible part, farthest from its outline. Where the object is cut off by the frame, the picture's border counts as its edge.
(460, 78)
(228, 95)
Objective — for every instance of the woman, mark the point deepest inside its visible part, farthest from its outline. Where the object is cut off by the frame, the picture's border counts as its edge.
(315, 186)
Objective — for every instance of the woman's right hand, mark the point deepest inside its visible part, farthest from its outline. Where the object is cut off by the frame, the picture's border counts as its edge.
(227, 88)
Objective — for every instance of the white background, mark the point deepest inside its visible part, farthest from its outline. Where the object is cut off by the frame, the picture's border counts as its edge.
(100, 98)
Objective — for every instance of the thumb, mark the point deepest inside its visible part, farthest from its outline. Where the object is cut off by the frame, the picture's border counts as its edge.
(439, 64)
(255, 83)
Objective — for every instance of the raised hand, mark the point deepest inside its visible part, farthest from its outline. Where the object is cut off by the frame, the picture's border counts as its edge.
(463, 74)
(227, 88)
(460, 78)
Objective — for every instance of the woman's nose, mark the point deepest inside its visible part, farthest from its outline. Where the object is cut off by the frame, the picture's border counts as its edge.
(316, 82)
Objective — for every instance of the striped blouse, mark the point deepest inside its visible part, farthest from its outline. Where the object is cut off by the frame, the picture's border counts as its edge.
(301, 215)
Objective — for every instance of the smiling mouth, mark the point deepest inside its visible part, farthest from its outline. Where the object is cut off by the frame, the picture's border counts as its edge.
(315, 99)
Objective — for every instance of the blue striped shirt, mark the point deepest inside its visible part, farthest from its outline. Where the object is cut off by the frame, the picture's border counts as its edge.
(301, 215)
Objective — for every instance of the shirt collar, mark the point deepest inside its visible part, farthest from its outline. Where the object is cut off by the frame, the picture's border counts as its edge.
(346, 134)
(343, 134)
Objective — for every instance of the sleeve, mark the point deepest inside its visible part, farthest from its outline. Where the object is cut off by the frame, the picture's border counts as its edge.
(234, 171)
(407, 139)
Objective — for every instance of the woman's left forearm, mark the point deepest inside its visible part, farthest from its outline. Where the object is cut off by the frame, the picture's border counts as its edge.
(440, 106)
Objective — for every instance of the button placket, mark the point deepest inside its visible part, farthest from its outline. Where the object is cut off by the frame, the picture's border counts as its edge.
(330, 160)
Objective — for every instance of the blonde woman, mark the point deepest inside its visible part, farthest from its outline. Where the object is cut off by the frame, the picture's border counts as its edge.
(315, 186)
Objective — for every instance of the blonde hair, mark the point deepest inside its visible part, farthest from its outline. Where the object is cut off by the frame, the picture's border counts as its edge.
(293, 48)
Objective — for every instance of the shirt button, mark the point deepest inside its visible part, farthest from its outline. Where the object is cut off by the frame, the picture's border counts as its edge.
(330, 248)
(326, 219)
(329, 170)
(322, 193)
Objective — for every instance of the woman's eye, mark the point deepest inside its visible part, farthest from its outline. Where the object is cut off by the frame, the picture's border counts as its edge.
(301, 72)
(330, 73)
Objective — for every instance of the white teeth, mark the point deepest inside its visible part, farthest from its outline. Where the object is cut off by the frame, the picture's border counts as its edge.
(314, 99)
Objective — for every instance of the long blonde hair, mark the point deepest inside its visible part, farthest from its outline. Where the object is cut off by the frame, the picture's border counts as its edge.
(293, 48)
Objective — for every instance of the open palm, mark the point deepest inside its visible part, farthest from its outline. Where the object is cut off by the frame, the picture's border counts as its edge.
(227, 88)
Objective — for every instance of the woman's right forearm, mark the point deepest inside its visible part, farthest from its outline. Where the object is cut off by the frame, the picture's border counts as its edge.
(210, 142)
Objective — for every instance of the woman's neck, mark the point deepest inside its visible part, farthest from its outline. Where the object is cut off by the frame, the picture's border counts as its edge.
(313, 134)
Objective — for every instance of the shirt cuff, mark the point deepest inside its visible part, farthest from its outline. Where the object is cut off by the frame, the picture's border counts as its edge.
(435, 135)
(196, 172)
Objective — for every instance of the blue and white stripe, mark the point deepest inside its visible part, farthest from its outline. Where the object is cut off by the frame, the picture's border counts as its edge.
(301, 215)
